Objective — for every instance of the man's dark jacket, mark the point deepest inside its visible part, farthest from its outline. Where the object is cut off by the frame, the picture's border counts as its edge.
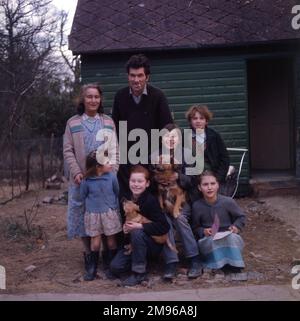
(151, 113)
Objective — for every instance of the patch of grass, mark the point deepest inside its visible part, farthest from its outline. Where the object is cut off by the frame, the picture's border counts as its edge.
(15, 230)
(24, 229)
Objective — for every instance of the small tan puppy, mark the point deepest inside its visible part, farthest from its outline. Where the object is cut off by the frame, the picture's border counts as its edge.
(132, 213)
(171, 196)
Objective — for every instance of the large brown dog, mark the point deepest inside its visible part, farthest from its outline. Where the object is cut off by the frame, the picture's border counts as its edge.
(171, 196)
(132, 213)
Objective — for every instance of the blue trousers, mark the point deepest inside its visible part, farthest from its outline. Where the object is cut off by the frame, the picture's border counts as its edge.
(143, 247)
(182, 227)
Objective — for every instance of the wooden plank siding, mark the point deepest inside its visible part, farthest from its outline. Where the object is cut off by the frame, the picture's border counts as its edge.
(297, 113)
(187, 79)
(297, 89)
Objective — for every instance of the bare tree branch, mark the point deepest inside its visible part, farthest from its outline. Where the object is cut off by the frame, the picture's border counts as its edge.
(27, 41)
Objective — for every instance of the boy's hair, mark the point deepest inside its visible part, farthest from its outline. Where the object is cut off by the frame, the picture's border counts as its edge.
(201, 109)
(138, 61)
(91, 165)
(206, 173)
(140, 169)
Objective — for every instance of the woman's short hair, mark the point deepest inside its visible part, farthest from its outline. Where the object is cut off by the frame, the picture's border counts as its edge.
(84, 88)
(201, 109)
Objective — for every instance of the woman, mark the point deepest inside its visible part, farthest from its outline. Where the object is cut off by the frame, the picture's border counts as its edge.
(217, 221)
(82, 137)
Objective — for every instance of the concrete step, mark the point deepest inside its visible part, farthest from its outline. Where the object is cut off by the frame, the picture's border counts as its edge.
(272, 188)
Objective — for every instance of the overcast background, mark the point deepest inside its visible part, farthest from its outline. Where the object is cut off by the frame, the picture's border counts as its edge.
(68, 6)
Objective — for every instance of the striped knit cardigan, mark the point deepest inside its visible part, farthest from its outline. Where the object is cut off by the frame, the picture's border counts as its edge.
(73, 145)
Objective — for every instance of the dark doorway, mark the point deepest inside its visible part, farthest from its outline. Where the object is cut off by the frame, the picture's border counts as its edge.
(270, 114)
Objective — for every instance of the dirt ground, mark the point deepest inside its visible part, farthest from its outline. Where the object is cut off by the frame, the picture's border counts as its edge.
(45, 261)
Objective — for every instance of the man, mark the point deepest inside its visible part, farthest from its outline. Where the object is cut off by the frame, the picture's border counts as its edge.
(146, 107)
(141, 105)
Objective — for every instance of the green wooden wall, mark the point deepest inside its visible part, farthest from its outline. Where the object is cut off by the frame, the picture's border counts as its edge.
(297, 113)
(297, 89)
(187, 79)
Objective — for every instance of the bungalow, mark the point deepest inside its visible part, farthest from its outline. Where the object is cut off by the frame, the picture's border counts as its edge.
(240, 57)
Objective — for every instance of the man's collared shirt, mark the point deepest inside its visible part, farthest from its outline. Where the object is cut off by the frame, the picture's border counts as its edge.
(137, 99)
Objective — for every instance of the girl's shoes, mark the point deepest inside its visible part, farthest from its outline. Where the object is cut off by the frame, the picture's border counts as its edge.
(231, 269)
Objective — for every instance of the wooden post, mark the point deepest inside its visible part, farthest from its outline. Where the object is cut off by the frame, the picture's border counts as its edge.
(51, 154)
(12, 162)
(28, 168)
(42, 164)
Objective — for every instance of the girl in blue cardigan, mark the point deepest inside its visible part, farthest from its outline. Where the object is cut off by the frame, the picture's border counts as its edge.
(100, 191)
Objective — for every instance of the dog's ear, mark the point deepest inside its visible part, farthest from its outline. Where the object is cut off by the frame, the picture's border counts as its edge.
(123, 200)
(136, 207)
(126, 206)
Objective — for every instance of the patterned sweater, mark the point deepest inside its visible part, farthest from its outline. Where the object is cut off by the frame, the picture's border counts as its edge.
(74, 148)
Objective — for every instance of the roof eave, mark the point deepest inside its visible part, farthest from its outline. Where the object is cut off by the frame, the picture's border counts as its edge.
(189, 47)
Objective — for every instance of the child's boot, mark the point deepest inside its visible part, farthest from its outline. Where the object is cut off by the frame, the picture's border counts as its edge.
(91, 267)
